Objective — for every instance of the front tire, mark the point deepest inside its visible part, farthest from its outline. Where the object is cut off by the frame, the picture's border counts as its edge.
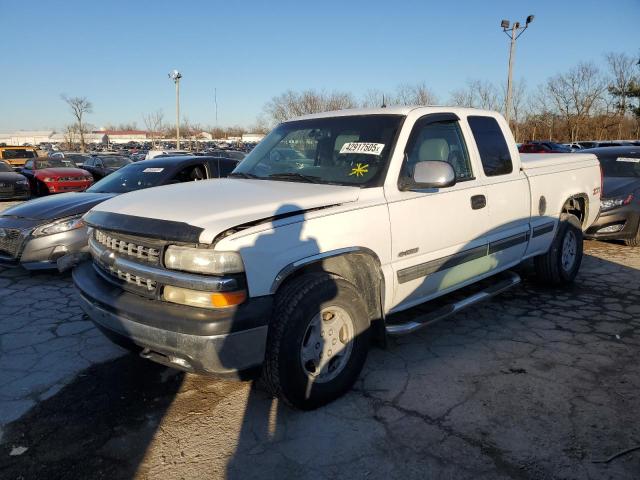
(318, 341)
(634, 241)
(560, 265)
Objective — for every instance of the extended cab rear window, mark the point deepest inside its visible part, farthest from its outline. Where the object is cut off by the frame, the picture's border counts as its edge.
(494, 153)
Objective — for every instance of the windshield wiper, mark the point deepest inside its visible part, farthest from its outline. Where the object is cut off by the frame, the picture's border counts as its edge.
(295, 175)
(242, 175)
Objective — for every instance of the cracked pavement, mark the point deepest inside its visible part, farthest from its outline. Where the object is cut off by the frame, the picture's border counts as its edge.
(536, 384)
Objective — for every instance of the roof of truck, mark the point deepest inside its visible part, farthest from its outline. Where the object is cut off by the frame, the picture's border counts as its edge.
(395, 110)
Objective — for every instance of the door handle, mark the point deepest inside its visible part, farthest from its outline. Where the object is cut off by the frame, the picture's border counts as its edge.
(478, 202)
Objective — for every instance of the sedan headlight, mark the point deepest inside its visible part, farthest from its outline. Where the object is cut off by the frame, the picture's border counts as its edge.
(59, 226)
(202, 260)
(609, 203)
(22, 181)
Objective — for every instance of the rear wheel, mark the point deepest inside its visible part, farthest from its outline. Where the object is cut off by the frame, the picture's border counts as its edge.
(560, 265)
(318, 341)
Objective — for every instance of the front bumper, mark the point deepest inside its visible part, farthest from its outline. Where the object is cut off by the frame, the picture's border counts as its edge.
(62, 187)
(628, 217)
(219, 342)
(15, 193)
(41, 253)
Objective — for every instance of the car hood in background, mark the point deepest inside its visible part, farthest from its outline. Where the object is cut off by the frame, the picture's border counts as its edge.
(61, 172)
(56, 206)
(10, 177)
(616, 186)
(221, 204)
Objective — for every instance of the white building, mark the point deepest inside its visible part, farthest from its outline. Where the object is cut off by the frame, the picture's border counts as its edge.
(32, 137)
(252, 137)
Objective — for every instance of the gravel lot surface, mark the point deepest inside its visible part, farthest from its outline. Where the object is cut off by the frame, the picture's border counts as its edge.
(536, 384)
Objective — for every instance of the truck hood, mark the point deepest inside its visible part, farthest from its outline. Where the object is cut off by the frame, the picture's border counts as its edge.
(221, 204)
(56, 206)
(61, 172)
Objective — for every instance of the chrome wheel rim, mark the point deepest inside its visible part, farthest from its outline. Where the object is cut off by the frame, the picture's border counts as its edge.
(327, 344)
(569, 251)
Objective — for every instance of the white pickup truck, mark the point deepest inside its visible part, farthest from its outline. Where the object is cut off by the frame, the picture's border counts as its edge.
(333, 225)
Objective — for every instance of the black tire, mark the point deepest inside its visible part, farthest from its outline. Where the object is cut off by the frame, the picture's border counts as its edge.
(549, 267)
(41, 189)
(634, 241)
(297, 304)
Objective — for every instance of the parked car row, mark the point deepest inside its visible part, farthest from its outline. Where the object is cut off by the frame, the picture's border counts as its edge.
(548, 146)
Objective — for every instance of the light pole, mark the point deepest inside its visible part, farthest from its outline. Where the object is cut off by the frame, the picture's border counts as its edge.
(513, 32)
(175, 75)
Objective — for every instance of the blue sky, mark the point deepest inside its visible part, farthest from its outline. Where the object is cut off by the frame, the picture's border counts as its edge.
(118, 53)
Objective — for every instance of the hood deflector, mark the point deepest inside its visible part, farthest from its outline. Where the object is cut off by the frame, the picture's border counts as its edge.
(144, 227)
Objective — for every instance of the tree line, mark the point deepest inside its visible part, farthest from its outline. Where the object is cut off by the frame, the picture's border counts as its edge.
(583, 103)
(586, 102)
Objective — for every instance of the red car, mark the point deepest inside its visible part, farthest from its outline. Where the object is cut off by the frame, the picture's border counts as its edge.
(55, 175)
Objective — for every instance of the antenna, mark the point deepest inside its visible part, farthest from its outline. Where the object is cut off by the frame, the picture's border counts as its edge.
(384, 104)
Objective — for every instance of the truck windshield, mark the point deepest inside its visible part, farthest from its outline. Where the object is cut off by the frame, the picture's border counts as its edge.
(350, 150)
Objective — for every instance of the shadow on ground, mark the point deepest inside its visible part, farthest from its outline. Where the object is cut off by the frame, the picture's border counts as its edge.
(98, 426)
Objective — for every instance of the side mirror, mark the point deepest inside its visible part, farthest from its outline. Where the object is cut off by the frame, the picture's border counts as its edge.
(433, 174)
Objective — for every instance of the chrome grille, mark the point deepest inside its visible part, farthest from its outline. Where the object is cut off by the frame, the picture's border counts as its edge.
(70, 179)
(10, 241)
(137, 251)
(130, 278)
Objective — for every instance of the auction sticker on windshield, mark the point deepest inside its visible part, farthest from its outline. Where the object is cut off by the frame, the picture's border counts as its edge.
(628, 160)
(362, 147)
(152, 170)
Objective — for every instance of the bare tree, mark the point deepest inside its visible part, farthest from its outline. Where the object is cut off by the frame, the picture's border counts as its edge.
(477, 94)
(417, 94)
(462, 97)
(153, 123)
(292, 104)
(70, 136)
(375, 98)
(622, 78)
(79, 107)
(576, 93)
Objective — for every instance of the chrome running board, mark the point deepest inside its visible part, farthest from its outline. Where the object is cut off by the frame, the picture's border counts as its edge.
(512, 279)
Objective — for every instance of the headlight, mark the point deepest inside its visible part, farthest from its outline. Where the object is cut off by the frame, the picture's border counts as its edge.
(609, 203)
(23, 181)
(202, 260)
(48, 179)
(59, 226)
(89, 178)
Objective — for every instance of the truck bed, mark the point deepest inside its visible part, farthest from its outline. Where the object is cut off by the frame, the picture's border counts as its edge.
(532, 161)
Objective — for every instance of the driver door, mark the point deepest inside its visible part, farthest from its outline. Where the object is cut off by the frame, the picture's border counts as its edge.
(438, 235)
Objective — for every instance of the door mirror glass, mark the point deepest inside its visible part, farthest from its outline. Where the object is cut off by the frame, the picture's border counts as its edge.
(433, 174)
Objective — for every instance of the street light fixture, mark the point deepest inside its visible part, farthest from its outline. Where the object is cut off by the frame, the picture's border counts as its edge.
(513, 32)
(175, 75)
